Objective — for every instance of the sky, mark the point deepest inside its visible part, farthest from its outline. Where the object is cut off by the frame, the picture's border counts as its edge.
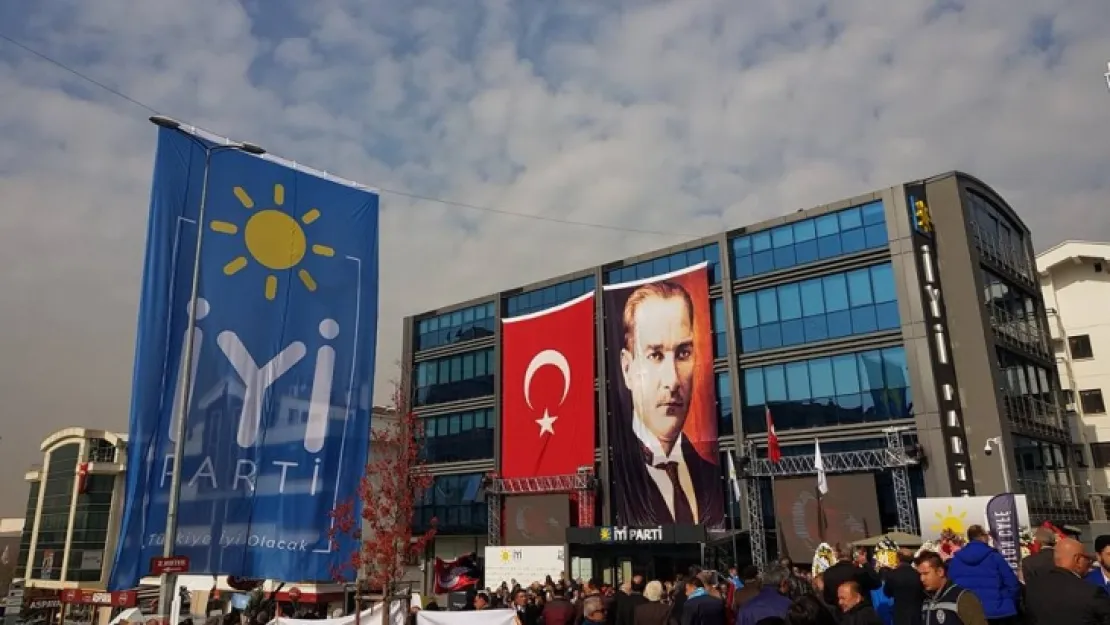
(685, 118)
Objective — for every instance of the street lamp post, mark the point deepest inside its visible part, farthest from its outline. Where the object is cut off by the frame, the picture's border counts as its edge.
(996, 442)
(169, 580)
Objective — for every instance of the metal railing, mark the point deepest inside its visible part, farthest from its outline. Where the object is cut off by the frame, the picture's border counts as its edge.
(102, 452)
(1012, 259)
(1058, 497)
(1019, 331)
(1034, 414)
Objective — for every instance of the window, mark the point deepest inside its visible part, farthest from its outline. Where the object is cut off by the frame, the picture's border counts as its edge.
(542, 299)
(1100, 455)
(459, 436)
(818, 238)
(851, 388)
(456, 502)
(1091, 401)
(453, 378)
(997, 236)
(667, 264)
(720, 329)
(724, 404)
(1080, 346)
(844, 304)
(454, 327)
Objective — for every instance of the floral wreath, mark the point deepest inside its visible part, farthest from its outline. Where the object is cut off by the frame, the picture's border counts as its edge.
(886, 553)
(950, 542)
(823, 558)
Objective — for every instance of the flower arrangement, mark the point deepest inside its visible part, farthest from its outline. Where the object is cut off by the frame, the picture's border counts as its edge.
(1025, 539)
(823, 558)
(929, 545)
(886, 553)
(950, 542)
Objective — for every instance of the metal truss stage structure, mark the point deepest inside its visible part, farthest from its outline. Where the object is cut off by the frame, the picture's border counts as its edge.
(894, 456)
(583, 484)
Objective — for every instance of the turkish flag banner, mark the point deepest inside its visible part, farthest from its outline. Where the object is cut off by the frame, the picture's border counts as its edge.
(547, 391)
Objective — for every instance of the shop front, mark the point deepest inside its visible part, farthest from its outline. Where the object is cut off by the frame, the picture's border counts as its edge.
(613, 554)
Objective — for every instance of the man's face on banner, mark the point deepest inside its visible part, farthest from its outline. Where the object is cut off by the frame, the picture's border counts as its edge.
(659, 369)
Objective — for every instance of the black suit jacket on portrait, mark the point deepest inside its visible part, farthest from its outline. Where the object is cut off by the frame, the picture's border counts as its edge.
(708, 491)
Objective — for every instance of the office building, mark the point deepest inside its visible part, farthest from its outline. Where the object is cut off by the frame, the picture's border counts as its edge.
(915, 306)
(1075, 280)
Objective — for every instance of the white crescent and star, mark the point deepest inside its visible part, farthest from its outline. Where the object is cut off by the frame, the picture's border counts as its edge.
(547, 357)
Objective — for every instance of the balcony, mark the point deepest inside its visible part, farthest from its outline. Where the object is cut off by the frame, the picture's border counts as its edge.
(1019, 333)
(1011, 260)
(1035, 416)
(1057, 502)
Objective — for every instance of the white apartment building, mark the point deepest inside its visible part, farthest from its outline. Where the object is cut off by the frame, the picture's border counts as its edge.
(1075, 281)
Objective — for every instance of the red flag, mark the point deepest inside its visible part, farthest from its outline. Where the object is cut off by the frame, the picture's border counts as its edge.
(547, 391)
(774, 452)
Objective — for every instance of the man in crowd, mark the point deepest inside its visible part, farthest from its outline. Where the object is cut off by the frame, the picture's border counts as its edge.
(849, 567)
(1060, 595)
(1100, 575)
(770, 601)
(627, 602)
(1041, 562)
(945, 602)
(749, 577)
(593, 610)
(853, 609)
(560, 610)
(700, 608)
(903, 585)
(980, 568)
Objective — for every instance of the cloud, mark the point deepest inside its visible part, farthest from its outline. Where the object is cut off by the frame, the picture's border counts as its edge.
(689, 116)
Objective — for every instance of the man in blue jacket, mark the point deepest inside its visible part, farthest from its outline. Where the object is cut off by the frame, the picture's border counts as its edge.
(980, 568)
(1100, 575)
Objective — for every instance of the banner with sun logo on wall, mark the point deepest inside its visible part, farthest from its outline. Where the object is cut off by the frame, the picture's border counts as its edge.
(283, 363)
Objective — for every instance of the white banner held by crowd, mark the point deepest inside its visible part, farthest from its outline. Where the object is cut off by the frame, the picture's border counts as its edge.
(524, 564)
(472, 617)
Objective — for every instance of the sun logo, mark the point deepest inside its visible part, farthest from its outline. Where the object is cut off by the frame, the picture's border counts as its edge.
(274, 240)
(950, 520)
(505, 555)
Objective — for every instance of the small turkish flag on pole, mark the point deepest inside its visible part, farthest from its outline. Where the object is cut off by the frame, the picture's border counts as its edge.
(774, 453)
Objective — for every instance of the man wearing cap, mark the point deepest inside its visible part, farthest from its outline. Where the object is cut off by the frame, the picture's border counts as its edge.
(1100, 575)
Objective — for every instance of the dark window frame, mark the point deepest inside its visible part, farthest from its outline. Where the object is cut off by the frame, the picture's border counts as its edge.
(1092, 402)
(1079, 346)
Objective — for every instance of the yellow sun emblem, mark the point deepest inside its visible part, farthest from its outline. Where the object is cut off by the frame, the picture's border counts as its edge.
(274, 240)
(505, 555)
(950, 520)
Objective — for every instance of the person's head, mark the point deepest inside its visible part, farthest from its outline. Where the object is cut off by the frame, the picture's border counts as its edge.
(859, 555)
(749, 573)
(1102, 550)
(905, 556)
(638, 583)
(481, 601)
(693, 583)
(809, 610)
(520, 597)
(1070, 555)
(843, 553)
(653, 591)
(931, 570)
(977, 533)
(657, 359)
(848, 595)
(776, 576)
(593, 609)
(1044, 537)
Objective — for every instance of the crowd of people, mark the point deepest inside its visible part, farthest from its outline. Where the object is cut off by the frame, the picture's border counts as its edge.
(1060, 583)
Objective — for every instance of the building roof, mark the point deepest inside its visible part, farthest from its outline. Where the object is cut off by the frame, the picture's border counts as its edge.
(1072, 251)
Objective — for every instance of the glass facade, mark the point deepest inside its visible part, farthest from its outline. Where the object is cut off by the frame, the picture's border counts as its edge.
(720, 327)
(1000, 238)
(819, 238)
(454, 378)
(724, 404)
(61, 471)
(541, 299)
(459, 436)
(456, 502)
(454, 327)
(834, 306)
(852, 388)
(90, 529)
(28, 526)
(669, 263)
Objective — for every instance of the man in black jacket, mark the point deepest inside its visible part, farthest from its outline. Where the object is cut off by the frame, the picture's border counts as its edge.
(903, 585)
(626, 603)
(846, 570)
(701, 608)
(1042, 561)
(1062, 596)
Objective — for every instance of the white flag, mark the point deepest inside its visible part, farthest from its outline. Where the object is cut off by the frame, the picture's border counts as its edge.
(819, 464)
(733, 479)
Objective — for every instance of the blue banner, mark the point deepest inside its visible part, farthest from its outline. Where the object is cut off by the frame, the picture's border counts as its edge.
(1002, 517)
(283, 365)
